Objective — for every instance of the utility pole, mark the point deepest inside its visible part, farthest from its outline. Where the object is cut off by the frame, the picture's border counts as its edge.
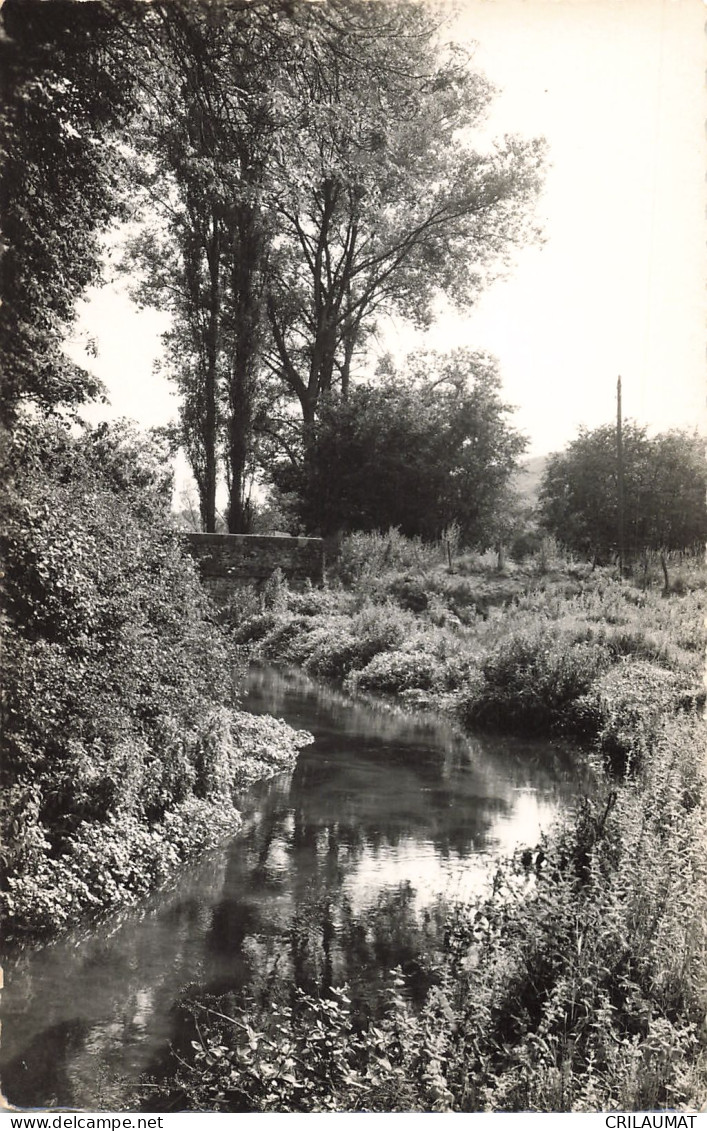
(620, 477)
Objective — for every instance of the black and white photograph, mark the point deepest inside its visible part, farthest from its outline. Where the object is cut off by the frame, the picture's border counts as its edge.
(354, 590)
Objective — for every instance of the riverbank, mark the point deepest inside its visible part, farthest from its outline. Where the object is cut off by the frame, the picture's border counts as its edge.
(549, 647)
(335, 864)
(112, 865)
(577, 984)
(123, 743)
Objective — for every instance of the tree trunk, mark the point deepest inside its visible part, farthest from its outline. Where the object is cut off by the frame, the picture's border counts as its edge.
(308, 403)
(238, 512)
(664, 566)
(247, 314)
(211, 382)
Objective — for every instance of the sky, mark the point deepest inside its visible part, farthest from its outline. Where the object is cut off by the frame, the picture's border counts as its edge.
(617, 88)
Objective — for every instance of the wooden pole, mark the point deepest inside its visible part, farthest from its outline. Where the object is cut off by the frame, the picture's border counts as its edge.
(620, 477)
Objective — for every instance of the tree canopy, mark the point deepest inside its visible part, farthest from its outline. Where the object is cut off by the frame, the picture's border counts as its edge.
(381, 198)
(289, 173)
(61, 94)
(422, 449)
(665, 485)
(303, 171)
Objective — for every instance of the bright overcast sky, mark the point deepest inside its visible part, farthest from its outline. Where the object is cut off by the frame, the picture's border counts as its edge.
(617, 88)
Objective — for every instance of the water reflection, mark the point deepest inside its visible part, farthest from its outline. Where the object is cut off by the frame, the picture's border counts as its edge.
(335, 877)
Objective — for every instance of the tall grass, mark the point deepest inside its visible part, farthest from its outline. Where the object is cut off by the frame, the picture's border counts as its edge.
(521, 651)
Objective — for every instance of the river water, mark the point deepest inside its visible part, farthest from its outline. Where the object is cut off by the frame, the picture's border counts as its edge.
(339, 866)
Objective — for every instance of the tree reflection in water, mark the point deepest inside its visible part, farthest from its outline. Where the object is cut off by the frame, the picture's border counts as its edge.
(339, 875)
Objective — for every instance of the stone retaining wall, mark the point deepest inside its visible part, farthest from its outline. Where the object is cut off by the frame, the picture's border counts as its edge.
(227, 561)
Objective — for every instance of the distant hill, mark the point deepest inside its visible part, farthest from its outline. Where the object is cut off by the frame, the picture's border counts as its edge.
(527, 478)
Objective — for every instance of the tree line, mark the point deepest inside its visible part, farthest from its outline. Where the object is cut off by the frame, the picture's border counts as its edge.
(289, 173)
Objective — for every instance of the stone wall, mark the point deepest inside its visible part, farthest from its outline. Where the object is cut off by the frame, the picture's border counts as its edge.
(227, 561)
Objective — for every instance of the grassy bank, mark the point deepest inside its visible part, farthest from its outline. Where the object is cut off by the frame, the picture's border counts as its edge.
(548, 645)
(578, 982)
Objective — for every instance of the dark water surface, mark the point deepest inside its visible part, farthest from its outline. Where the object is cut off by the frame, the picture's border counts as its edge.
(335, 862)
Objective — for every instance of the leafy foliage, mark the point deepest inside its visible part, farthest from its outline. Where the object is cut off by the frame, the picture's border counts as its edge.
(61, 93)
(119, 705)
(381, 200)
(532, 680)
(416, 453)
(202, 132)
(547, 646)
(305, 169)
(628, 706)
(665, 490)
(396, 671)
(576, 984)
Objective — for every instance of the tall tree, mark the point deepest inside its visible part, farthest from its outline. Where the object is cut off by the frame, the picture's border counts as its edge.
(313, 169)
(60, 92)
(380, 197)
(206, 134)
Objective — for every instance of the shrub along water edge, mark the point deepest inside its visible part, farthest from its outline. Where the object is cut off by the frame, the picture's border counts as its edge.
(528, 652)
(123, 744)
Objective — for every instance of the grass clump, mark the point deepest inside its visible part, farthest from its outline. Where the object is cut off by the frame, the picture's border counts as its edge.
(532, 681)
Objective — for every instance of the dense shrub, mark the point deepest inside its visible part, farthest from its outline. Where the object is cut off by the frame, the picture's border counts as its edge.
(336, 654)
(255, 627)
(362, 556)
(532, 680)
(409, 592)
(274, 645)
(587, 992)
(516, 652)
(109, 864)
(393, 672)
(341, 644)
(628, 705)
(313, 602)
(119, 683)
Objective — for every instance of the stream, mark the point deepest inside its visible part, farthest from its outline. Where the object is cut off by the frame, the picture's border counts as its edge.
(338, 867)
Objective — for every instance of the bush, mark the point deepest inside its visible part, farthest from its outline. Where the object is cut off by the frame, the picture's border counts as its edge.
(119, 683)
(393, 672)
(628, 705)
(365, 556)
(336, 654)
(533, 680)
(341, 644)
(409, 592)
(274, 645)
(108, 865)
(256, 627)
